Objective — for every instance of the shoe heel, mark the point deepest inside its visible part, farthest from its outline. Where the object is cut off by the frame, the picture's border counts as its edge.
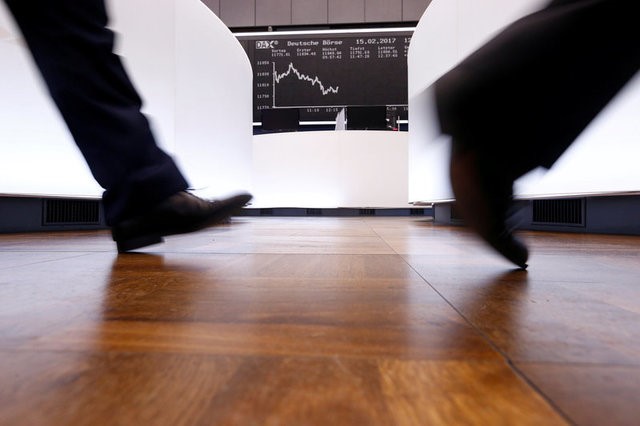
(512, 248)
(136, 243)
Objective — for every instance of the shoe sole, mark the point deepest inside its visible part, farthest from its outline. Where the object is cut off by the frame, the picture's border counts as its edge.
(139, 242)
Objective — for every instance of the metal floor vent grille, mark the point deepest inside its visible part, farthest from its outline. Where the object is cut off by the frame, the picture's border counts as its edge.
(71, 212)
(559, 212)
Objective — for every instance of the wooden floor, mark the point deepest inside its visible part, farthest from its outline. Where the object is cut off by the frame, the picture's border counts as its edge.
(319, 321)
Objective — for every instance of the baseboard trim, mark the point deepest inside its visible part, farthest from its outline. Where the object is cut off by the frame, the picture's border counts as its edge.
(618, 215)
(36, 214)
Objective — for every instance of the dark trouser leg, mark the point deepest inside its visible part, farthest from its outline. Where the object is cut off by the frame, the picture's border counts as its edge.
(522, 98)
(74, 52)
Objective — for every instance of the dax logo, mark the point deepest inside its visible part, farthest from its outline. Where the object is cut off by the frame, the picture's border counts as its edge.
(265, 44)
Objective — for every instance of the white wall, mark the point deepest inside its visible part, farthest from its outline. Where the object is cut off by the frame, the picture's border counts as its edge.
(600, 161)
(214, 102)
(356, 169)
(198, 105)
(37, 154)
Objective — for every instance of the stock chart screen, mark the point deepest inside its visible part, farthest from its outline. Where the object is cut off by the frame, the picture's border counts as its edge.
(320, 73)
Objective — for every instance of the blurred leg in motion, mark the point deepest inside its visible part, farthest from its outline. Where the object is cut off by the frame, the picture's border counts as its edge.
(519, 101)
(73, 49)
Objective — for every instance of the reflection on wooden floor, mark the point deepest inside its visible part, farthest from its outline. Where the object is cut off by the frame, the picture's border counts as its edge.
(319, 321)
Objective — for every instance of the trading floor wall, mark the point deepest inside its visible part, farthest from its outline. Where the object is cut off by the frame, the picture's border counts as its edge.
(263, 13)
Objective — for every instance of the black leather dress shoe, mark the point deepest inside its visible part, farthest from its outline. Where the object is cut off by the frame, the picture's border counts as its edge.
(181, 213)
(483, 197)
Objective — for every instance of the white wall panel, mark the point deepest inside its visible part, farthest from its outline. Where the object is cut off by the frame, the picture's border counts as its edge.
(213, 104)
(199, 107)
(329, 169)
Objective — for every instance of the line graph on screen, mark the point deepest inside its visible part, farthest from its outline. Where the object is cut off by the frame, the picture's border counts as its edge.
(293, 73)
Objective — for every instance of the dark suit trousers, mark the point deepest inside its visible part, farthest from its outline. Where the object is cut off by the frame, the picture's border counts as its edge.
(73, 50)
(524, 97)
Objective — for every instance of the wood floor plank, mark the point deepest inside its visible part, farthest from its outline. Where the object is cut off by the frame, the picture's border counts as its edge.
(533, 319)
(277, 235)
(170, 389)
(273, 340)
(64, 388)
(318, 321)
(11, 259)
(462, 393)
(71, 241)
(316, 305)
(590, 394)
